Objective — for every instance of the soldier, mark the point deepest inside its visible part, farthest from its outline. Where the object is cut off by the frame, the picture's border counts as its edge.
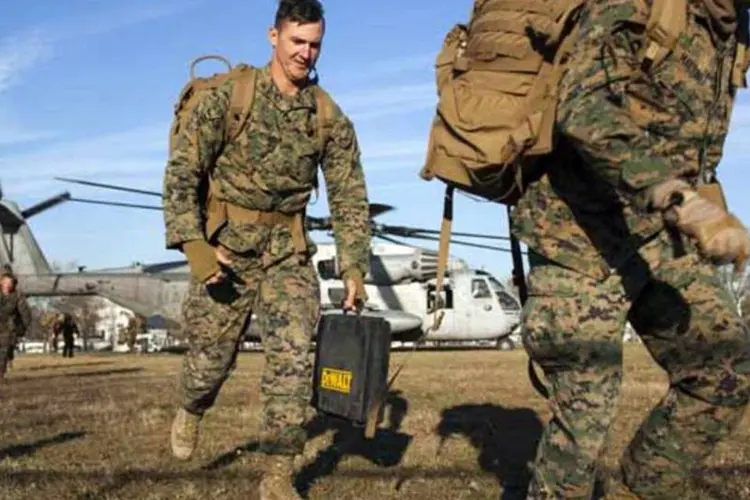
(68, 328)
(621, 227)
(15, 317)
(136, 325)
(259, 259)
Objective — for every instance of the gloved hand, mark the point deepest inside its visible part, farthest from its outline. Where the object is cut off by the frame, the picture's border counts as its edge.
(355, 289)
(204, 260)
(720, 236)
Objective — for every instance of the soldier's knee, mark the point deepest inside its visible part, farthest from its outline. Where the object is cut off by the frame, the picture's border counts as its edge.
(723, 383)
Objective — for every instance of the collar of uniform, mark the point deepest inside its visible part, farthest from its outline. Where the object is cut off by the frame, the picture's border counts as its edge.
(305, 98)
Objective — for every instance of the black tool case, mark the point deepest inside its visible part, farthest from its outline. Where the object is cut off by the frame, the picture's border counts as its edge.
(351, 366)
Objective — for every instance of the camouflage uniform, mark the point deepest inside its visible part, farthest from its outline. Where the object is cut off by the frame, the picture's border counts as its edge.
(15, 320)
(136, 325)
(271, 166)
(599, 258)
(68, 327)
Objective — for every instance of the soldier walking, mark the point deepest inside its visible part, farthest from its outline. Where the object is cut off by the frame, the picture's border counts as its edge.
(627, 223)
(253, 252)
(15, 317)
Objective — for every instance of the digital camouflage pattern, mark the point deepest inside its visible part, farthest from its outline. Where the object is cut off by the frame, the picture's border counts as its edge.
(599, 259)
(285, 299)
(15, 320)
(272, 166)
(632, 130)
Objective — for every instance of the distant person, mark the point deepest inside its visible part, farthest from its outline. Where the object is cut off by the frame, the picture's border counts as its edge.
(15, 317)
(254, 253)
(66, 326)
(136, 325)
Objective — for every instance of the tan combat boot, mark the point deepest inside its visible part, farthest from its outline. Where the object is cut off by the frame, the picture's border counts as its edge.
(278, 479)
(184, 437)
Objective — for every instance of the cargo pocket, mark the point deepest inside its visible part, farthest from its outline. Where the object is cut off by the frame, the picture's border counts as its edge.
(551, 328)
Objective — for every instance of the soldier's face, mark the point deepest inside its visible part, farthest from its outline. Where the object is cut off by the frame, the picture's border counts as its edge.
(7, 286)
(296, 48)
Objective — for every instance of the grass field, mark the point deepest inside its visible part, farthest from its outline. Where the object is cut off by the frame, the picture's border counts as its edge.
(461, 426)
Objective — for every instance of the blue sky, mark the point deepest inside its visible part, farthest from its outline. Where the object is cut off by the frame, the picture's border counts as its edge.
(87, 89)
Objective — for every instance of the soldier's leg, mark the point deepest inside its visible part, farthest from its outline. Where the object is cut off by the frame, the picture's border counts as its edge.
(691, 327)
(573, 328)
(214, 321)
(287, 314)
(3, 357)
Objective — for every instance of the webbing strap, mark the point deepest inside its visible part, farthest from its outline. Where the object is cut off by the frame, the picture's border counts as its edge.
(445, 231)
(741, 56)
(666, 22)
(241, 102)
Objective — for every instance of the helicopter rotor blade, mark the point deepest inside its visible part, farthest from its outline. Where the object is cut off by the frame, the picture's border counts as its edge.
(43, 205)
(406, 231)
(115, 203)
(378, 209)
(452, 242)
(109, 186)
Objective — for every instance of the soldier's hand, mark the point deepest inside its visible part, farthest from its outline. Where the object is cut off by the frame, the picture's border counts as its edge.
(203, 260)
(355, 291)
(351, 296)
(720, 236)
(222, 257)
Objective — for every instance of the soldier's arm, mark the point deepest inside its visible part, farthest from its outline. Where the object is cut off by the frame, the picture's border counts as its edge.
(347, 198)
(593, 108)
(195, 149)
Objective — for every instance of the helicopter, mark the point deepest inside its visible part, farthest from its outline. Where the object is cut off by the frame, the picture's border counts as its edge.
(401, 283)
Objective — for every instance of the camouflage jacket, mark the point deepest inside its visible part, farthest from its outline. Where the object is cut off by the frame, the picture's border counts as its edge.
(623, 130)
(271, 166)
(15, 315)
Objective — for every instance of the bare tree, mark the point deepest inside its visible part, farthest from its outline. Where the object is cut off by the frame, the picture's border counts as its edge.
(736, 286)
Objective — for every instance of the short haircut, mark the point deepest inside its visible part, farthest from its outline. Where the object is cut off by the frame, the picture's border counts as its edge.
(298, 11)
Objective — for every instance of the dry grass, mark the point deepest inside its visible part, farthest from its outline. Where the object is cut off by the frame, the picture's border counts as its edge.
(97, 426)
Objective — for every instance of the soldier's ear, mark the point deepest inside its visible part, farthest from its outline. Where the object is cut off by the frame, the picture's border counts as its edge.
(273, 36)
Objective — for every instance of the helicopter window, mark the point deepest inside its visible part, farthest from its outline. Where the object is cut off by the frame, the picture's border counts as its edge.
(447, 295)
(480, 289)
(507, 301)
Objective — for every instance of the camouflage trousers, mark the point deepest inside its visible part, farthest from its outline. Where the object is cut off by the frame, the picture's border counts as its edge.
(7, 345)
(285, 299)
(573, 328)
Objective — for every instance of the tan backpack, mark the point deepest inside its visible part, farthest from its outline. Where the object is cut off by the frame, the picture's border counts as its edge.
(497, 80)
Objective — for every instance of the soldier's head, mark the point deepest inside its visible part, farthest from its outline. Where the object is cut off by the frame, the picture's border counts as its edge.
(296, 38)
(8, 281)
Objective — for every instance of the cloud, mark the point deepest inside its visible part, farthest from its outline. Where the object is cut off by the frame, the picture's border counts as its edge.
(18, 53)
(25, 49)
(133, 154)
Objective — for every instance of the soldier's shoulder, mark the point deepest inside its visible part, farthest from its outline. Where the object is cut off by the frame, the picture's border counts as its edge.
(332, 107)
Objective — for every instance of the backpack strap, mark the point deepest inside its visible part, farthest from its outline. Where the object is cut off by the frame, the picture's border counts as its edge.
(666, 21)
(241, 102)
(742, 55)
(324, 111)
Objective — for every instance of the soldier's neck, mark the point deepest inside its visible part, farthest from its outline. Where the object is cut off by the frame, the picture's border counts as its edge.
(286, 86)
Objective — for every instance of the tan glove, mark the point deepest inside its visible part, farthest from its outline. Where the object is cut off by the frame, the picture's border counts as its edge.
(204, 260)
(720, 236)
(355, 289)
